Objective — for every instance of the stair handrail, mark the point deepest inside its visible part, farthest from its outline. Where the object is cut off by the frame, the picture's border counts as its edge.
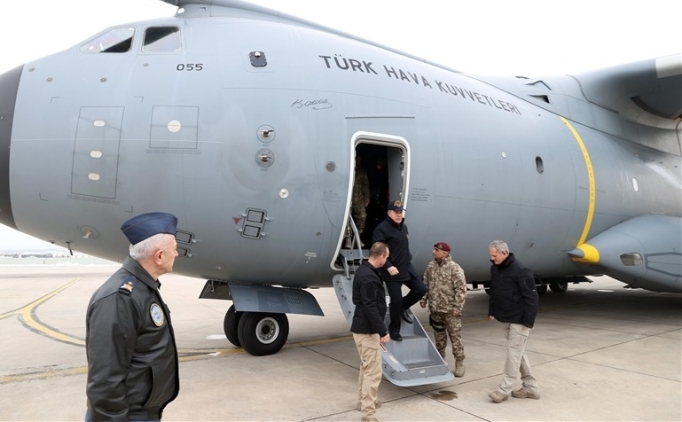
(355, 243)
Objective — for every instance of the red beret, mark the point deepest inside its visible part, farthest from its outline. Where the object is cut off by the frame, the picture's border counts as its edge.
(442, 246)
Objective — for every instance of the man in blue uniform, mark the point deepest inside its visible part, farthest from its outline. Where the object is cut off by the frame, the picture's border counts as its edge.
(129, 340)
(368, 327)
(394, 233)
(514, 302)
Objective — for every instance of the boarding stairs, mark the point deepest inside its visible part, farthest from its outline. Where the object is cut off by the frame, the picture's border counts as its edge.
(411, 362)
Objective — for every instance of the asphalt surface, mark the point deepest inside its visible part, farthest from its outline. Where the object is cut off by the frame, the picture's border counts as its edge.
(600, 352)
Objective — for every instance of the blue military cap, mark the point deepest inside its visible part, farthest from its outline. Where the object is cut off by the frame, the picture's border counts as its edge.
(396, 205)
(147, 225)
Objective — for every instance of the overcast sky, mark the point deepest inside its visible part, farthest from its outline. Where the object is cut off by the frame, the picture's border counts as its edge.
(521, 37)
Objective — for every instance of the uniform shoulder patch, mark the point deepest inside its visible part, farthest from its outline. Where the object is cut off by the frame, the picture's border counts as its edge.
(128, 285)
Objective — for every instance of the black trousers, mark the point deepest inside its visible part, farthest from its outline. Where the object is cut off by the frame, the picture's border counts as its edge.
(400, 303)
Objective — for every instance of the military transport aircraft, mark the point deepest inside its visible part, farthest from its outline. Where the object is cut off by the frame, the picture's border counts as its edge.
(246, 123)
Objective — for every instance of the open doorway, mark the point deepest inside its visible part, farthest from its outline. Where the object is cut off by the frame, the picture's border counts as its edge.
(385, 164)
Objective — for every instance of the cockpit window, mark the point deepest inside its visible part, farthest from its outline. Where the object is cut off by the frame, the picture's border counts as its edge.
(162, 39)
(117, 40)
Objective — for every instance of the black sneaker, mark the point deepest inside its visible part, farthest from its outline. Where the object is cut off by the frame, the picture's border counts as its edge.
(396, 337)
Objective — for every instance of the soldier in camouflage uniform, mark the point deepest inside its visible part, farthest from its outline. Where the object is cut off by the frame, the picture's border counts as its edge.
(359, 202)
(446, 293)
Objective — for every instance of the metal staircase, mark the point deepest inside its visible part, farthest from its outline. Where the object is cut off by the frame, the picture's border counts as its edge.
(413, 361)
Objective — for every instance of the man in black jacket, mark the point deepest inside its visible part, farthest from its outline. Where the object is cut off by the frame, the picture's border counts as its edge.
(368, 327)
(513, 301)
(129, 340)
(394, 233)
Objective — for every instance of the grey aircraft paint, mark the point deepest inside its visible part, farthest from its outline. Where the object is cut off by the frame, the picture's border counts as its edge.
(245, 123)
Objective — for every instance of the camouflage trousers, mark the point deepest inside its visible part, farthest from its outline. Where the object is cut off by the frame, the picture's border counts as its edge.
(447, 325)
(359, 214)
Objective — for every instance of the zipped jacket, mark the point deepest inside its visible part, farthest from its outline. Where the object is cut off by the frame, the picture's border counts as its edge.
(513, 296)
(369, 298)
(130, 347)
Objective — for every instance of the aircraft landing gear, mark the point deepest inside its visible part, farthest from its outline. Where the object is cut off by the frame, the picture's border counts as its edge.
(262, 333)
(540, 286)
(555, 284)
(259, 333)
(231, 326)
(559, 286)
(265, 332)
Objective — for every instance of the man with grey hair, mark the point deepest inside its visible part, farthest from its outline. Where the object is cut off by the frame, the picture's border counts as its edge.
(129, 340)
(514, 302)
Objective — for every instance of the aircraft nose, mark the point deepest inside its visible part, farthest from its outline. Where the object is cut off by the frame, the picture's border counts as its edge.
(9, 86)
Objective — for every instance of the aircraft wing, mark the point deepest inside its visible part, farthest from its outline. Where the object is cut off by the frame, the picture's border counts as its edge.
(639, 91)
(645, 251)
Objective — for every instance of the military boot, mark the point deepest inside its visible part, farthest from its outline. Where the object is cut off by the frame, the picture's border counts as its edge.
(459, 368)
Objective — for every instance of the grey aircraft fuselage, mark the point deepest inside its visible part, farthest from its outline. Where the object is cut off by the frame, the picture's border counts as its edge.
(246, 124)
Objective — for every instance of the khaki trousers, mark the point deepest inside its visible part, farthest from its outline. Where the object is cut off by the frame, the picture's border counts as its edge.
(370, 372)
(517, 361)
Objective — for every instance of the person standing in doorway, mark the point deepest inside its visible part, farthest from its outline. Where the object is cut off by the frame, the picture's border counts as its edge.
(359, 203)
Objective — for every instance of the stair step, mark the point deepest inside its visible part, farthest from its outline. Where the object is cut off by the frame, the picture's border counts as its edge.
(411, 362)
(423, 364)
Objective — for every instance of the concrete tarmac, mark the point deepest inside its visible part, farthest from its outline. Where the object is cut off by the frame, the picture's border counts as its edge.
(600, 352)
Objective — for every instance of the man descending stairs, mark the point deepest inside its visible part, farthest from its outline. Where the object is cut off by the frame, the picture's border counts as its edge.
(413, 361)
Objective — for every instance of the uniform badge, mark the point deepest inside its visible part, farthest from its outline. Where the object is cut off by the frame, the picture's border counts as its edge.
(127, 286)
(157, 314)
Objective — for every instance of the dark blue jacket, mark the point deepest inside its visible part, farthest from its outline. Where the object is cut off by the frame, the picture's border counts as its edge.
(513, 297)
(130, 347)
(369, 299)
(396, 237)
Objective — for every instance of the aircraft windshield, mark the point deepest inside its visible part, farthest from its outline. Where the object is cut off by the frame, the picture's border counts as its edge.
(117, 40)
(164, 39)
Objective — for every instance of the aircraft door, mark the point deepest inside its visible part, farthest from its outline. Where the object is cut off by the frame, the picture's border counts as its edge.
(383, 159)
(395, 158)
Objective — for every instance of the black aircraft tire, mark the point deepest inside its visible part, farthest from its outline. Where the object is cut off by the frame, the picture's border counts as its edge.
(559, 286)
(263, 333)
(231, 326)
